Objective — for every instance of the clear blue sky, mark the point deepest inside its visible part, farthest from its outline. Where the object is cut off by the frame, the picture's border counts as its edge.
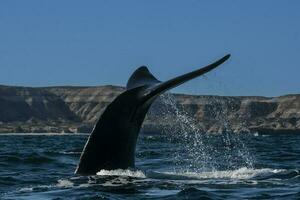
(46, 43)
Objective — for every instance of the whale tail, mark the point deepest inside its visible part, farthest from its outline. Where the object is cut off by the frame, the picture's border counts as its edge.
(112, 142)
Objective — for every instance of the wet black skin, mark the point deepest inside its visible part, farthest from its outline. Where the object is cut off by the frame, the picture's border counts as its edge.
(112, 142)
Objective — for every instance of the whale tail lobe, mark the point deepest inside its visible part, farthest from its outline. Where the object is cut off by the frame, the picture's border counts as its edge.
(142, 77)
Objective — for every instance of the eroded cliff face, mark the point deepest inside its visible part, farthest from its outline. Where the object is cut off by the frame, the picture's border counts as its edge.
(76, 109)
(25, 104)
(87, 103)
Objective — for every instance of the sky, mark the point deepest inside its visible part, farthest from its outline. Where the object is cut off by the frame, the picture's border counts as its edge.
(88, 43)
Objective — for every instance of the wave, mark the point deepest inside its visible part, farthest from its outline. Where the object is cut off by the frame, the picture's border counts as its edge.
(122, 172)
(42, 134)
(29, 158)
(70, 152)
(61, 183)
(241, 173)
(64, 183)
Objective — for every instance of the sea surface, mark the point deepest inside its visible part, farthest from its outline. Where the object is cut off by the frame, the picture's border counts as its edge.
(169, 166)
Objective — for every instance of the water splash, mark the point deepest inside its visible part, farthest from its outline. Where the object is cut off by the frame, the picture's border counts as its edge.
(64, 183)
(237, 174)
(202, 151)
(122, 172)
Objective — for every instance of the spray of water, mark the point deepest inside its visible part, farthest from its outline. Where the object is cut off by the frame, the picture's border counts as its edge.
(199, 151)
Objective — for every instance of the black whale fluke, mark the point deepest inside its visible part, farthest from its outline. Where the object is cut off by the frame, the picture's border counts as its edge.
(112, 142)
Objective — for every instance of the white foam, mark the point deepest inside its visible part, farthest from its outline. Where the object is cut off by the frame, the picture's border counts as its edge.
(70, 152)
(61, 183)
(121, 172)
(64, 183)
(241, 173)
(30, 189)
(26, 189)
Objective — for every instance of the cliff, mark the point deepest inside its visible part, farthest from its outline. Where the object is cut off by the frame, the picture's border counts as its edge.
(76, 109)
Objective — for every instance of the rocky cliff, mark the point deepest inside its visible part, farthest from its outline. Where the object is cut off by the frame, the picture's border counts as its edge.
(76, 109)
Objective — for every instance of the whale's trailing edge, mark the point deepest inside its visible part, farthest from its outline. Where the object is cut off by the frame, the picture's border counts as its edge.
(112, 143)
(167, 85)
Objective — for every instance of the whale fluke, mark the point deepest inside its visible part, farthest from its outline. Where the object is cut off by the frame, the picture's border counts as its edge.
(112, 142)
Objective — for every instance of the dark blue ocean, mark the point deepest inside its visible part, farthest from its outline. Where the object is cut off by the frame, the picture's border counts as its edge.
(206, 166)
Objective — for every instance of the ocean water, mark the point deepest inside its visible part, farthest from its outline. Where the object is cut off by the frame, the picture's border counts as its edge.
(220, 166)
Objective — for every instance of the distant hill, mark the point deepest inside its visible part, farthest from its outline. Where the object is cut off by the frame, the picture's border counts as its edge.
(76, 109)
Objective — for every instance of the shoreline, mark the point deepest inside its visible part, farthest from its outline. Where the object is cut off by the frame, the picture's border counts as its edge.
(74, 110)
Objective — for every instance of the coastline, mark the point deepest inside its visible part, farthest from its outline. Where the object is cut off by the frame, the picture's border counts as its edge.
(74, 109)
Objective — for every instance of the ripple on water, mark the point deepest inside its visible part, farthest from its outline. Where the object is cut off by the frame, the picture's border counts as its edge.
(43, 168)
